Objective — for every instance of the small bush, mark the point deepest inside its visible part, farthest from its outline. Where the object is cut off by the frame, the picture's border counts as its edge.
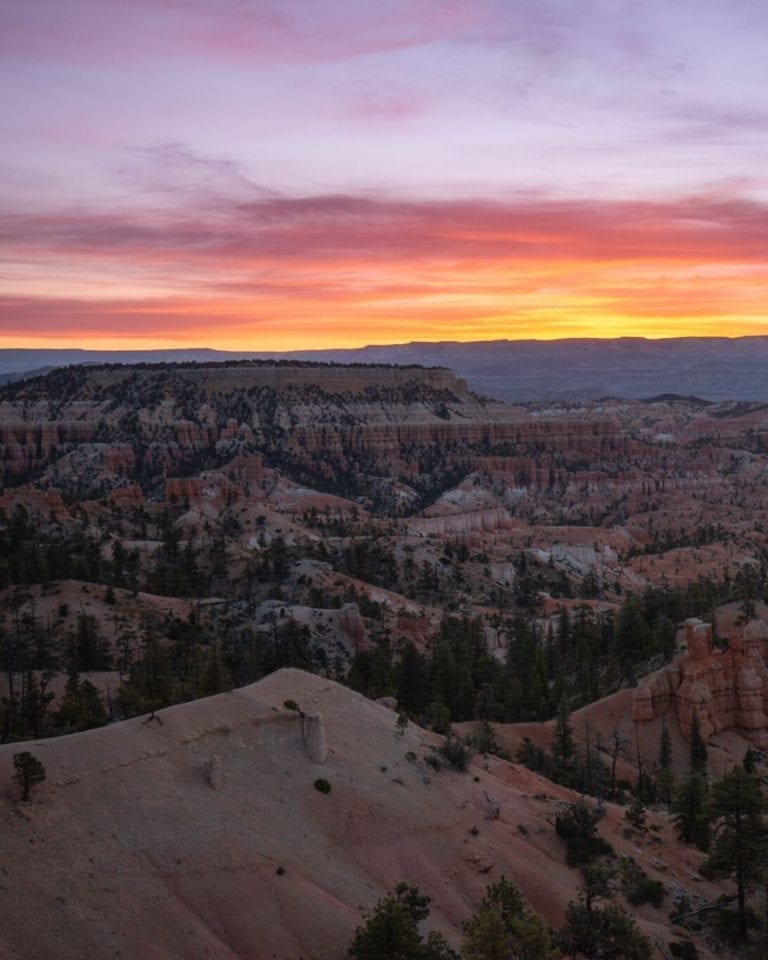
(647, 890)
(638, 886)
(684, 950)
(433, 761)
(635, 813)
(455, 752)
(322, 785)
(582, 843)
(411, 756)
(484, 741)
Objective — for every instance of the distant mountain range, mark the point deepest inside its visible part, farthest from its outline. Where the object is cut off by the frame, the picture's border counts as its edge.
(712, 368)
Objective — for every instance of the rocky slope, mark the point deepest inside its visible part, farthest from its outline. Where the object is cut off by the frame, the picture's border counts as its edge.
(338, 426)
(200, 833)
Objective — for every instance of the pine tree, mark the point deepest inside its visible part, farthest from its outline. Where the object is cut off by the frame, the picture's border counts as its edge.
(665, 782)
(503, 927)
(697, 746)
(739, 849)
(29, 771)
(393, 930)
(749, 762)
(412, 689)
(692, 816)
(635, 812)
(563, 748)
(605, 932)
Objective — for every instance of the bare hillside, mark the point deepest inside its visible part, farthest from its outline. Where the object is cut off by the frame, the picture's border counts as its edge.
(200, 834)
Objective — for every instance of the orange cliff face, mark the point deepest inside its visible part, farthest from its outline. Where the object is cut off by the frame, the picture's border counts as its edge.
(726, 689)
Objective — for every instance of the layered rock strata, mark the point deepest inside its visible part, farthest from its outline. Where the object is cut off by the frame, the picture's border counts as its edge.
(726, 689)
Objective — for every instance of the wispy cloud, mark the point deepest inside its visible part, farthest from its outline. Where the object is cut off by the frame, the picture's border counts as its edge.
(274, 267)
(325, 228)
(267, 169)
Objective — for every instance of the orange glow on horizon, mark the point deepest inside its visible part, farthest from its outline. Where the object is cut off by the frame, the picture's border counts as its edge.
(345, 273)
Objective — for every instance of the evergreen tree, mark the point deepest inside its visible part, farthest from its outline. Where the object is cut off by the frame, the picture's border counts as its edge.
(593, 931)
(412, 689)
(698, 747)
(563, 747)
(604, 932)
(29, 771)
(35, 700)
(503, 927)
(749, 762)
(635, 812)
(741, 836)
(215, 676)
(578, 828)
(747, 588)
(665, 781)
(393, 930)
(692, 816)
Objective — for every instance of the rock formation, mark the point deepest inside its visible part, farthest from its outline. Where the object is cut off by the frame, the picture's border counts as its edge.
(314, 737)
(213, 773)
(727, 689)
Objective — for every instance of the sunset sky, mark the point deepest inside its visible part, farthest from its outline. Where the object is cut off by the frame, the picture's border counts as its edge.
(246, 174)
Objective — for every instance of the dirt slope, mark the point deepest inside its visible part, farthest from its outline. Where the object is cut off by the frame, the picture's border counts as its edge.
(128, 851)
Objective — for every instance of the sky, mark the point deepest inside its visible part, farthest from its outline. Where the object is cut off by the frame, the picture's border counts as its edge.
(250, 174)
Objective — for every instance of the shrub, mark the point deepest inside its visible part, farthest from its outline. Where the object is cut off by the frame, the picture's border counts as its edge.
(647, 890)
(455, 752)
(484, 741)
(577, 828)
(635, 813)
(322, 785)
(684, 950)
(638, 886)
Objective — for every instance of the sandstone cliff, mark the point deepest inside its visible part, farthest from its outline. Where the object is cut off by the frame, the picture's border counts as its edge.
(726, 689)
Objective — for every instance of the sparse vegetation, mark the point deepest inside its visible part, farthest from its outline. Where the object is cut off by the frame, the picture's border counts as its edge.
(455, 625)
(577, 827)
(456, 753)
(29, 772)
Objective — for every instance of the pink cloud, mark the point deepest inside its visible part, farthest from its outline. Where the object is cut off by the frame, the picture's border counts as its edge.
(324, 229)
(273, 30)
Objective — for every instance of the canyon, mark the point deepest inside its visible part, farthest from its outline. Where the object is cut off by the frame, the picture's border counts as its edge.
(182, 542)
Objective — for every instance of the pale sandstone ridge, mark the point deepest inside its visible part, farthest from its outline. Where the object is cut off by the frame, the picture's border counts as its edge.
(203, 836)
(727, 689)
(478, 521)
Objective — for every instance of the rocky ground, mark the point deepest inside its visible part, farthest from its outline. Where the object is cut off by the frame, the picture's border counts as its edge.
(200, 834)
(347, 511)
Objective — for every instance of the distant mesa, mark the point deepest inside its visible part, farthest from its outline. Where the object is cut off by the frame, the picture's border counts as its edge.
(695, 369)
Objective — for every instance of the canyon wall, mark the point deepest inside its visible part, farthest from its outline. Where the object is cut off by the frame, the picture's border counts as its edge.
(725, 689)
